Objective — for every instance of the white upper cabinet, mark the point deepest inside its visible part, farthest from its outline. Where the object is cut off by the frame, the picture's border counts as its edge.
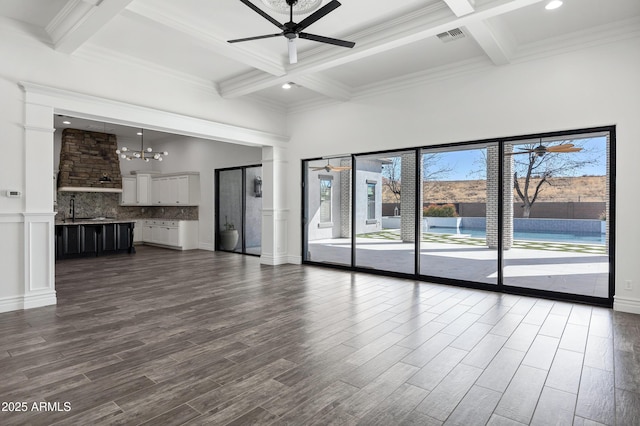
(136, 191)
(178, 189)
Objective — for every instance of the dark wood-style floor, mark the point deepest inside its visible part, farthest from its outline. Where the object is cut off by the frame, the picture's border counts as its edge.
(167, 338)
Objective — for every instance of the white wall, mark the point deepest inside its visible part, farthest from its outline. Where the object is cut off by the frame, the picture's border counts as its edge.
(204, 156)
(591, 87)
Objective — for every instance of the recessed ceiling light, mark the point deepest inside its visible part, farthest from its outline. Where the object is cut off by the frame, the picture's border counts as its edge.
(553, 4)
(287, 86)
(66, 122)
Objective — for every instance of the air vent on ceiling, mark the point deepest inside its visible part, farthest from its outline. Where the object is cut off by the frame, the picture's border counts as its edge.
(452, 35)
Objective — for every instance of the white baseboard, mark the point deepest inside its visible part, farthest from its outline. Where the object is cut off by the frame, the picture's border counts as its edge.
(206, 246)
(624, 304)
(273, 260)
(8, 304)
(296, 260)
(18, 303)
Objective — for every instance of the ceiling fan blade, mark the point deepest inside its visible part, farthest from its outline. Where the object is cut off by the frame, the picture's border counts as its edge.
(559, 148)
(263, 14)
(238, 40)
(293, 51)
(328, 40)
(569, 150)
(341, 168)
(317, 169)
(327, 8)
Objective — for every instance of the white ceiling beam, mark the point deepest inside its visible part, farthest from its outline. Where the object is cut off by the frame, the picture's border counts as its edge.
(461, 7)
(208, 40)
(325, 86)
(79, 20)
(394, 35)
(497, 44)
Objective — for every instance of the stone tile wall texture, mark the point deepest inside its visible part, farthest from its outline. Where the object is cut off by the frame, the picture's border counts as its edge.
(85, 157)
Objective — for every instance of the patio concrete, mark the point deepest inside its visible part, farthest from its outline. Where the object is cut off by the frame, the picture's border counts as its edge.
(561, 270)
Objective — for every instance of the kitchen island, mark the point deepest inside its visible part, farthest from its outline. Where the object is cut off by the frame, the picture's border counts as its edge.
(93, 237)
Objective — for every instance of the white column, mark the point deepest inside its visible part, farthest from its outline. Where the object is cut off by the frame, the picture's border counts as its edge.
(39, 225)
(275, 216)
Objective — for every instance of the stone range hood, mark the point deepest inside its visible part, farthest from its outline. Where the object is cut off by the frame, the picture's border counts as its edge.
(88, 162)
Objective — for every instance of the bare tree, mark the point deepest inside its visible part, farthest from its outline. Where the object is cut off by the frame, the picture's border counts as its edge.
(432, 170)
(533, 171)
(391, 173)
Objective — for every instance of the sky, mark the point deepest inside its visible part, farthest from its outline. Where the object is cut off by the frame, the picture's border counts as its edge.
(463, 164)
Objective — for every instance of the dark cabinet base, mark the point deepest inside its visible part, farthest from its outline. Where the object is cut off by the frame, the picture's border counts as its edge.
(84, 240)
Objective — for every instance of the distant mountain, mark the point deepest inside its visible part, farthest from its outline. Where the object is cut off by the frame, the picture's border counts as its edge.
(566, 189)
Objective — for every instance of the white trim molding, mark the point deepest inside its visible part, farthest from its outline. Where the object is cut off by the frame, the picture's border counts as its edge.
(626, 304)
(96, 108)
(39, 260)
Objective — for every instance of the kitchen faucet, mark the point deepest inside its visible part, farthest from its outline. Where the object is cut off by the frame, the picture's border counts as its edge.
(72, 208)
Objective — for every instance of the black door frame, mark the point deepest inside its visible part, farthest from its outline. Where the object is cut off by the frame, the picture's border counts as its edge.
(243, 223)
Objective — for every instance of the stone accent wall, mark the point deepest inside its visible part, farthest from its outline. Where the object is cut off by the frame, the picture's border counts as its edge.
(85, 157)
(345, 200)
(492, 198)
(107, 204)
(408, 197)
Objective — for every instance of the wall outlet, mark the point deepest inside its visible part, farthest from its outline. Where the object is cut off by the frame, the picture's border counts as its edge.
(627, 285)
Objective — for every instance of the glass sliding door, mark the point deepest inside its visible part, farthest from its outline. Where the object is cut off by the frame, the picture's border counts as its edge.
(524, 215)
(239, 210)
(556, 230)
(459, 231)
(253, 210)
(385, 213)
(327, 199)
(230, 207)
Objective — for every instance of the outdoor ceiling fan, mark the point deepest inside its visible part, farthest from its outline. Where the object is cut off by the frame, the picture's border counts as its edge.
(292, 30)
(541, 150)
(330, 168)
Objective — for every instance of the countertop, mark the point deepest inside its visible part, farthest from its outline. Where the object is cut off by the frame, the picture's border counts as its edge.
(93, 221)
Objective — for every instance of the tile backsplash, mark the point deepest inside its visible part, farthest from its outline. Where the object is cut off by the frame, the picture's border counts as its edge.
(105, 204)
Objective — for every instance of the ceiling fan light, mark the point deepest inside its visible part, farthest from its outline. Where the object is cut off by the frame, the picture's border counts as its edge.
(553, 4)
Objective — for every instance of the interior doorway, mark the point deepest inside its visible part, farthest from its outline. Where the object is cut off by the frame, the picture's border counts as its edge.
(239, 209)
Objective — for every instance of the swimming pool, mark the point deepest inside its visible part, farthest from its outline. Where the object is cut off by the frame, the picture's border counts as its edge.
(563, 237)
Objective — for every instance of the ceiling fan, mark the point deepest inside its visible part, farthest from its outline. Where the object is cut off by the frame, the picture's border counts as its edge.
(292, 30)
(330, 168)
(541, 150)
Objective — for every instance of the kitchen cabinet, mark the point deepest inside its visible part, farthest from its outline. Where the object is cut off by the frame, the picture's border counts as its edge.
(81, 240)
(136, 191)
(176, 234)
(173, 190)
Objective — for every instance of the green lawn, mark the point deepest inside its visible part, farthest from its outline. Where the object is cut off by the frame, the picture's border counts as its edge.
(430, 237)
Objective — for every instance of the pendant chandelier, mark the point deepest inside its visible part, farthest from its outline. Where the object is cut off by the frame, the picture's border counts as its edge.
(143, 154)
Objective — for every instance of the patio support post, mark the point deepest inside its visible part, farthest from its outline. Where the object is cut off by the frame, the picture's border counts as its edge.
(493, 187)
(408, 209)
(345, 199)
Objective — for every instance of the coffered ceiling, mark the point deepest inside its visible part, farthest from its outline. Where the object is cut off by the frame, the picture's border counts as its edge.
(396, 41)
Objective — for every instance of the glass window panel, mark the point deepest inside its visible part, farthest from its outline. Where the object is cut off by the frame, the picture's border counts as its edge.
(557, 222)
(230, 210)
(325, 199)
(385, 211)
(459, 231)
(328, 211)
(371, 201)
(253, 210)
